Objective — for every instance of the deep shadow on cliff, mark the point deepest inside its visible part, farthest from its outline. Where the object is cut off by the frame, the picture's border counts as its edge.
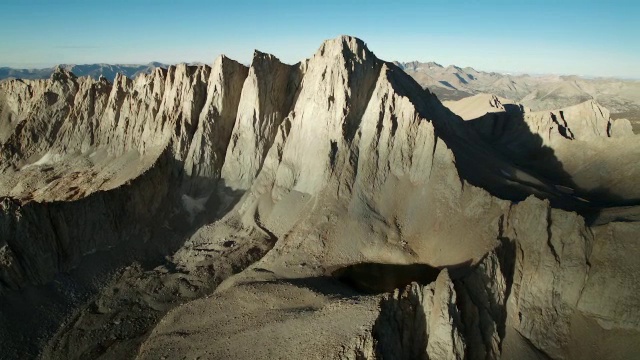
(116, 316)
(139, 224)
(500, 153)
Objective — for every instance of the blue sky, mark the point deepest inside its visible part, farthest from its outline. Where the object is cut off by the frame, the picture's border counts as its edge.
(595, 38)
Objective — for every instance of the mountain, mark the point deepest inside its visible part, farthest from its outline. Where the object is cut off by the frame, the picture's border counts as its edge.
(475, 106)
(569, 146)
(331, 208)
(543, 92)
(92, 70)
(539, 92)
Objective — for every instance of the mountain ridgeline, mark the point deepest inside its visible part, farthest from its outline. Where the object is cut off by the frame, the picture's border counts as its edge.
(95, 71)
(538, 92)
(203, 211)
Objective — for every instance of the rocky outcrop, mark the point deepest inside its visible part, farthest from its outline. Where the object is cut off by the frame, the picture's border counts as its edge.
(217, 118)
(621, 128)
(569, 147)
(483, 294)
(478, 105)
(551, 268)
(529, 295)
(40, 240)
(421, 322)
(266, 99)
(585, 121)
(137, 299)
(98, 138)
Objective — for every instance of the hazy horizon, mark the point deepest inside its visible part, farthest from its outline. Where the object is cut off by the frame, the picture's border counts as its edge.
(502, 72)
(585, 38)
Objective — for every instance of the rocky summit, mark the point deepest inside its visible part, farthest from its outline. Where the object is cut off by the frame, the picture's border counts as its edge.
(333, 208)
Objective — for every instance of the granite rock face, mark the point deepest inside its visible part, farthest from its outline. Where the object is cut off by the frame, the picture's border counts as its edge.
(74, 140)
(421, 322)
(580, 148)
(254, 185)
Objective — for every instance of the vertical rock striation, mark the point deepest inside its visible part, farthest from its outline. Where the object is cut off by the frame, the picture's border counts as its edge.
(343, 159)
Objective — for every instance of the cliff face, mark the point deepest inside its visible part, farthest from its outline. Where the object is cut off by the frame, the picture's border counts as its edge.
(41, 239)
(266, 99)
(86, 161)
(339, 160)
(571, 147)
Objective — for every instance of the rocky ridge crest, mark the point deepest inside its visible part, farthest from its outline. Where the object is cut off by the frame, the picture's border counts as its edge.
(278, 173)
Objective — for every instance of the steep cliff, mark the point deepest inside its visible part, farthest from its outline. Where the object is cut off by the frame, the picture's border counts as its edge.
(275, 179)
(570, 147)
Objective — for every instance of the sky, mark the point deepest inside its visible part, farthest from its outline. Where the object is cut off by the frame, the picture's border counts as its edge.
(589, 38)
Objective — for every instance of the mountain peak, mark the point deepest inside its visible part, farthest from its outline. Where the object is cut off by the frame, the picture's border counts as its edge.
(260, 58)
(344, 45)
(342, 160)
(61, 72)
(453, 68)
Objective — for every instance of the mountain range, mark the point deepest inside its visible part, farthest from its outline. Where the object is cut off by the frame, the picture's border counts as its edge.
(109, 71)
(538, 92)
(332, 208)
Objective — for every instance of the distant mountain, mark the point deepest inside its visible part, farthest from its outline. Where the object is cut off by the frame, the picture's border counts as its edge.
(109, 71)
(8, 73)
(540, 92)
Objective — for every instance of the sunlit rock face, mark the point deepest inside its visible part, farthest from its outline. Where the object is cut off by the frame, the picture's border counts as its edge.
(327, 209)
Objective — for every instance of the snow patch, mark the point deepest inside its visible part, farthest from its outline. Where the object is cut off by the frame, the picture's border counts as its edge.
(47, 159)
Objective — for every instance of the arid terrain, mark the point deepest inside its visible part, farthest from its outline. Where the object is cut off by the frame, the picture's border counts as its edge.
(341, 207)
(538, 92)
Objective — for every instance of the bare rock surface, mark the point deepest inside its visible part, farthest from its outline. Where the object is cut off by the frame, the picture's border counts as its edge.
(213, 212)
(478, 105)
(621, 128)
(265, 320)
(538, 92)
(580, 148)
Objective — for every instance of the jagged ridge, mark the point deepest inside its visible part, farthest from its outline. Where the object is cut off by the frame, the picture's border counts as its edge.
(343, 158)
